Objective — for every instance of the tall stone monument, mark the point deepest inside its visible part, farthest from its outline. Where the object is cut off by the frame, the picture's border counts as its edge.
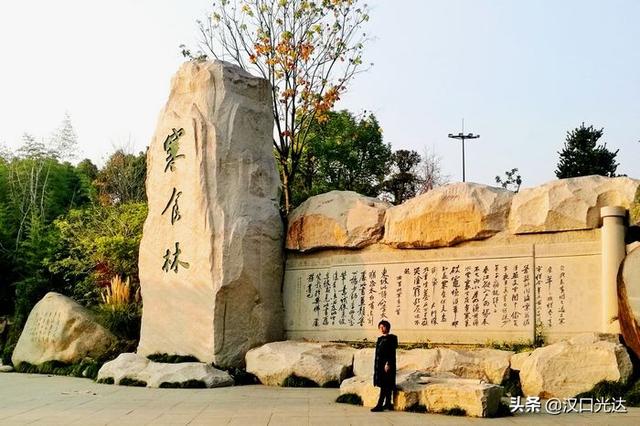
(211, 252)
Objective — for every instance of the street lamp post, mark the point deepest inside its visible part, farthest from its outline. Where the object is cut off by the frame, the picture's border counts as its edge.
(461, 136)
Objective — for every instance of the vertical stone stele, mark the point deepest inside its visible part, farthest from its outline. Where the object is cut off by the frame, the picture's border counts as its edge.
(211, 252)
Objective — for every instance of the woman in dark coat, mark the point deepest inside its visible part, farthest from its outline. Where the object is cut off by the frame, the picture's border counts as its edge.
(384, 369)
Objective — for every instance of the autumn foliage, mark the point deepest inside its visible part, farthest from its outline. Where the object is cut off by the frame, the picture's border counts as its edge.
(309, 51)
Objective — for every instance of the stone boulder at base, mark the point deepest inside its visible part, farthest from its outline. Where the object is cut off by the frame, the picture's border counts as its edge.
(336, 219)
(490, 365)
(157, 374)
(59, 329)
(211, 251)
(518, 359)
(569, 204)
(322, 363)
(448, 215)
(567, 368)
(437, 392)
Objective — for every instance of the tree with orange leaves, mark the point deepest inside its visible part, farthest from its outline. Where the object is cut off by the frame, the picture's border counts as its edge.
(309, 51)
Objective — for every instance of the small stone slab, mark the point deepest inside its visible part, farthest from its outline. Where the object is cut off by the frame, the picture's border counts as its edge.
(158, 374)
(436, 392)
(322, 363)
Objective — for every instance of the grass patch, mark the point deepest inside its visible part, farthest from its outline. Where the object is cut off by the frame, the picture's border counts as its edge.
(331, 384)
(349, 398)
(417, 408)
(516, 347)
(294, 381)
(126, 381)
(502, 411)
(172, 359)
(122, 320)
(633, 395)
(7, 351)
(241, 377)
(630, 392)
(455, 411)
(86, 368)
(106, 381)
(189, 384)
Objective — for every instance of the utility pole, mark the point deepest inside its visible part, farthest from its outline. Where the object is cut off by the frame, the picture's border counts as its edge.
(461, 136)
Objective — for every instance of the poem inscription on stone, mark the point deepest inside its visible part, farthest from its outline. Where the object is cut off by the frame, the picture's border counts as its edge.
(505, 293)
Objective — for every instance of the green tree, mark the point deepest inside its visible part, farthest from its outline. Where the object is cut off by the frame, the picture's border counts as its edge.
(35, 188)
(94, 245)
(88, 169)
(122, 179)
(404, 182)
(511, 181)
(308, 51)
(343, 153)
(582, 156)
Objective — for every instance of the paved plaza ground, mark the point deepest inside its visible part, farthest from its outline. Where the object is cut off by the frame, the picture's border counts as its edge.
(55, 400)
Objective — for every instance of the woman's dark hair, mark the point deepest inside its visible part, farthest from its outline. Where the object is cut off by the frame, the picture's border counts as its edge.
(386, 324)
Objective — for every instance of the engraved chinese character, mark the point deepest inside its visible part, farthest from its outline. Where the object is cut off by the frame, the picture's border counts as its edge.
(171, 146)
(172, 260)
(175, 209)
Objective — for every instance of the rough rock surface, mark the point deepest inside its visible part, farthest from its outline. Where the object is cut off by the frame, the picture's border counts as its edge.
(436, 392)
(629, 299)
(448, 215)
(490, 365)
(518, 359)
(567, 368)
(336, 219)
(322, 363)
(154, 374)
(211, 251)
(59, 329)
(569, 204)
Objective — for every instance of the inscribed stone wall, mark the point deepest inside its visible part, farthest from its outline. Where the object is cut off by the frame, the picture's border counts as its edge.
(450, 295)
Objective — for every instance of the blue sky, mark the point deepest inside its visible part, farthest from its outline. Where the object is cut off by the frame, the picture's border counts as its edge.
(520, 73)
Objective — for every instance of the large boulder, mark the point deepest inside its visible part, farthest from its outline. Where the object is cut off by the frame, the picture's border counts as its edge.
(436, 392)
(567, 368)
(336, 219)
(59, 329)
(211, 253)
(157, 374)
(569, 204)
(491, 365)
(322, 363)
(448, 215)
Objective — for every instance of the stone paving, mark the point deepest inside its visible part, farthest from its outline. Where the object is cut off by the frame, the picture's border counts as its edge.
(54, 400)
